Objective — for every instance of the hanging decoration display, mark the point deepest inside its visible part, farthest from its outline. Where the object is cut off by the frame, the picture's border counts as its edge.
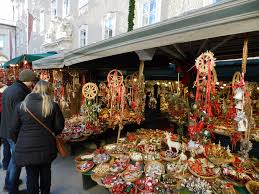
(116, 91)
(90, 108)
(45, 75)
(201, 125)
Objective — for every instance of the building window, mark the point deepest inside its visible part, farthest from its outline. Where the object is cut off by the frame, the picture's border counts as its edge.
(109, 26)
(66, 7)
(42, 21)
(83, 6)
(54, 8)
(149, 12)
(34, 25)
(83, 35)
(1, 41)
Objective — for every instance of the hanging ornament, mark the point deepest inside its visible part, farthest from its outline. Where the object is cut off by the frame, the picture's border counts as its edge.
(115, 78)
(205, 62)
(45, 75)
(205, 89)
(90, 90)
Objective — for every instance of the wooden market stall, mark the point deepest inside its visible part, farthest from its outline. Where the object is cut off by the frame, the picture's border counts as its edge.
(174, 51)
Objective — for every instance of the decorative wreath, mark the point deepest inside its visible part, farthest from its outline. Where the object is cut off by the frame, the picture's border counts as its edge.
(115, 77)
(203, 61)
(90, 90)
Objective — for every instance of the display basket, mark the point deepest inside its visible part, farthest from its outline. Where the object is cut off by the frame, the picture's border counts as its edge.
(79, 159)
(256, 166)
(220, 161)
(252, 187)
(136, 189)
(169, 159)
(98, 172)
(203, 177)
(248, 164)
(150, 165)
(235, 183)
(131, 179)
(168, 185)
(86, 169)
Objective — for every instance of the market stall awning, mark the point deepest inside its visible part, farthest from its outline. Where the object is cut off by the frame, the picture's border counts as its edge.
(51, 62)
(226, 18)
(28, 57)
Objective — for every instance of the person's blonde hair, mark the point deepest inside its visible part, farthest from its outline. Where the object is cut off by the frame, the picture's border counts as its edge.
(43, 89)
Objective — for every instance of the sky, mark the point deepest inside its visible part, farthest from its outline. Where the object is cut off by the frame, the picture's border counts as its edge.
(6, 10)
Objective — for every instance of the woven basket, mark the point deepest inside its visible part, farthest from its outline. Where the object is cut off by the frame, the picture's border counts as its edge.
(83, 171)
(256, 166)
(169, 159)
(79, 160)
(133, 179)
(203, 177)
(252, 187)
(220, 161)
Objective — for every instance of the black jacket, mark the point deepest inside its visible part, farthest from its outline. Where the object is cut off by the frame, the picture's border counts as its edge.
(35, 145)
(12, 96)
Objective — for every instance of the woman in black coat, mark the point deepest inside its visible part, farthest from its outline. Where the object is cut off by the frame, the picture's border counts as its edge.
(35, 146)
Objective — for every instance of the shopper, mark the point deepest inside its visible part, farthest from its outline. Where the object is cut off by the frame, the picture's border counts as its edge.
(36, 147)
(12, 96)
(6, 147)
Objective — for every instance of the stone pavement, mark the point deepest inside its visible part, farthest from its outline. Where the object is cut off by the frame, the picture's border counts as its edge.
(65, 179)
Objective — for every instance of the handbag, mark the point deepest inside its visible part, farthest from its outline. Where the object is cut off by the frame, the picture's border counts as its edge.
(60, 144)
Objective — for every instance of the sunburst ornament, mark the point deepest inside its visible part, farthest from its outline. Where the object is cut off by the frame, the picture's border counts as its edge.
(90, 90)
(203, 62)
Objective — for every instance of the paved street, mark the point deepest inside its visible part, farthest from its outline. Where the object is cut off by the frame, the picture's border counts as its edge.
(65, 179)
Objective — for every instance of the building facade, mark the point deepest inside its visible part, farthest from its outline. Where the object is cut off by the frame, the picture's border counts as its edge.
(62, 25)
(7, 42)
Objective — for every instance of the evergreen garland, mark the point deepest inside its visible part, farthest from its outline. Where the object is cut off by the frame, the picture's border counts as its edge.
(131, 14)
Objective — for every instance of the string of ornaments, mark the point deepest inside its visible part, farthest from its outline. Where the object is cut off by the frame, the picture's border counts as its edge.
(200, 123)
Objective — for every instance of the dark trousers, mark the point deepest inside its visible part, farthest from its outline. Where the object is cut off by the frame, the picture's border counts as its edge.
(38, 175)
(6, 154)
(13, 172)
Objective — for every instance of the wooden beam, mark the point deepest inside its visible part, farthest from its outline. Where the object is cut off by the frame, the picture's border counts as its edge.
(202, 47)
(222, 42)
(179, 50)
(172, 53)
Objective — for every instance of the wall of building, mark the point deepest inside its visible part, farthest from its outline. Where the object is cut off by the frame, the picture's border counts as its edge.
(7, 42)
(97, 10)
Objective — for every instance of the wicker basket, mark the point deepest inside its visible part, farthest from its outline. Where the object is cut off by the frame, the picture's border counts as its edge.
(252, 187)
(78, 159)
(203, 177)
(149, 163)
(169, 159)
(256, 166)
(133, 179)
(248, 163)
(238, 184)
(220, 161)
(83, 171)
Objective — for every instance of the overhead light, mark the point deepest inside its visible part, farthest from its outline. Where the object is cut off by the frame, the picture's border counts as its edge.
(224, 85)
(221, 87)
(157, 83)
(217, 83)
(169, 82)
(135, 79)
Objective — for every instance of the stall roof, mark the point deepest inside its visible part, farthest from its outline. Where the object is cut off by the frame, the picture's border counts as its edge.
(54, 61)
(226, 18)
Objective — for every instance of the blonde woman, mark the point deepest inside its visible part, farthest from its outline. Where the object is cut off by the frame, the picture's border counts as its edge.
(35, 146)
